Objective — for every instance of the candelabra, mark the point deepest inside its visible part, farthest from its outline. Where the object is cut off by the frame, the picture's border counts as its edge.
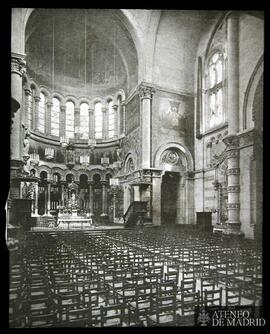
(49, 153)
(64, 141)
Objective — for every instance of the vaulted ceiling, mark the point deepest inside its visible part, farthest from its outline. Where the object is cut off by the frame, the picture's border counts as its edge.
(83, 52)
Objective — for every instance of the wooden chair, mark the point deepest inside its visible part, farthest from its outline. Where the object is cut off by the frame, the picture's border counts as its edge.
(162, 312)
(112, 315)
(212, 297)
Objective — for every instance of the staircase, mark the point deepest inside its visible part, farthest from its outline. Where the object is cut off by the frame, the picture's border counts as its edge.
(134, 211)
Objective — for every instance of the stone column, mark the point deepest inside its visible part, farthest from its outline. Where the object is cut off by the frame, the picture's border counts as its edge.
(36, 199)
(77, 122)
(105, 123)
(104, 198)
(91, 202)
(146, 93)
(35, 112)
(48, 118)
(62, 129)
(17, 72)
(28, 108)
(91, 123)
(136, 192)
(45, 199)
(116, 120)
(231, 140)
(233, 74)
(49, 199)
(189, 185)
(16, 140)
(62, 192)
(233, 188)
(156, 198)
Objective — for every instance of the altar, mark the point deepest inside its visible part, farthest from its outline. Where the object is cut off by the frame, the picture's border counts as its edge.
(68, 216)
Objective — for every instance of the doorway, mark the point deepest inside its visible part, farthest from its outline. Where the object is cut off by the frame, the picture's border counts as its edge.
(169, 197)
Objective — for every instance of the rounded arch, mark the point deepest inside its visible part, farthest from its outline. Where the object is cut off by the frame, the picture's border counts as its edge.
(46, 169)
(59, 97)
(129, 160)
(108, 99)
(118, 94)
(95, 171)
(72, 99)
(182, 148)
(254, 80)
(82, 100)
(46, 92)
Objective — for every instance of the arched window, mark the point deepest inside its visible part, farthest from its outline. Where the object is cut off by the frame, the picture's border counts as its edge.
(98, 120)
(41, 113)
(110, 119)
(84, 121)
(120, 114)
(55, 114)
(70, 119)
(214, 91)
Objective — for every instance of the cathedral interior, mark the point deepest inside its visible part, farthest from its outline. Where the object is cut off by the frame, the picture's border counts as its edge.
(135, 165)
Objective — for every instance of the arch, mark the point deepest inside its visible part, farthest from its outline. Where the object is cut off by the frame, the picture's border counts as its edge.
(46, 92)
(250, 93)
(59, 97)
(182, 148)
(70, 98)
(130, 156)
(82, 100)
(46, 169)
(108, 99)
(119, 93)
(95, 171)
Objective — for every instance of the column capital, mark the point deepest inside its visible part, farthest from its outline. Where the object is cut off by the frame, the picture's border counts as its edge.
(37, 98)
(18, 65)
(27, 91)
(146, 92)
(63, 108)
(76, 110)
(189, 174)
(231, 142)
(115, 106)
(104, 109)
(49, 104)
(91, 110)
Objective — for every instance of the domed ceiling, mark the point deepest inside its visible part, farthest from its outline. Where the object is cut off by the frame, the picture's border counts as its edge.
(82, 52)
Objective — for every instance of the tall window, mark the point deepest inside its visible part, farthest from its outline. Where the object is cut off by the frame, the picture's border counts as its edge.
(41, 113)
(84, 120)
(70, 119)
(214, 91)
(98, 120)
(110, 119)
(55, 114)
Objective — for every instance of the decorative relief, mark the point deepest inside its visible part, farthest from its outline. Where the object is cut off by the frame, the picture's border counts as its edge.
(172, 157)
(172, 115)
(233, 171)
(233, 189)
(130, 167)
(246, 138)
(18, 65)
(132, 143)
(132, 112)
(232, 153)
(233, 205)
(231, 142)
(146, 92)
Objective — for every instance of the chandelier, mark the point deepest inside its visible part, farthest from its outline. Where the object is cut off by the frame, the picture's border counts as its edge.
(49, 153)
